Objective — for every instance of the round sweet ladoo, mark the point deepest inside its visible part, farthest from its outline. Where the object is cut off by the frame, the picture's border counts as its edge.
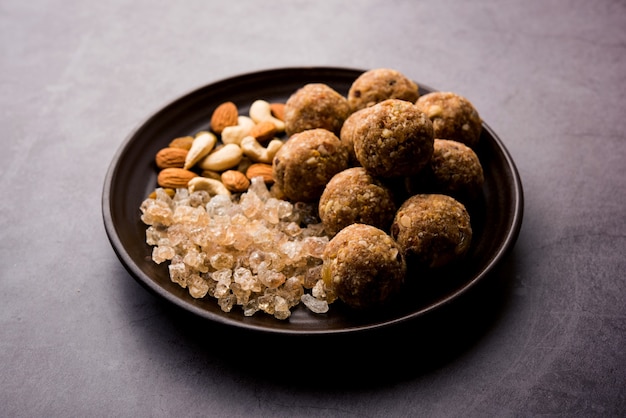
(354, 196)
(453, 116)
(315, 105)
(454, 169)
(377, 85)
(393, 138)
(363, 266)
(306, 162)
(433, 230)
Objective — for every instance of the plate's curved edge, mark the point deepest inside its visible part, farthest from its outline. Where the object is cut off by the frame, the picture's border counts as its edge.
(514, 226)
(147, 282)
(518, 212)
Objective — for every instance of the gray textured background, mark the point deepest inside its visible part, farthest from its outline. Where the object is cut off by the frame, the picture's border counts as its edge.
(79, 337)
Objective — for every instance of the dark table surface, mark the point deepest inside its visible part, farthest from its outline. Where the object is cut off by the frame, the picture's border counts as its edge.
(546, 333)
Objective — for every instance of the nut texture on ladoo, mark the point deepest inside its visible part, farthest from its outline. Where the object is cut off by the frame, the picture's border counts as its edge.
(453, 116)
(454, 170)
(315, 105)
(306, 162)
(433, 230)
(363, 266)
(393, 139)
(354, 196)
(377, 85)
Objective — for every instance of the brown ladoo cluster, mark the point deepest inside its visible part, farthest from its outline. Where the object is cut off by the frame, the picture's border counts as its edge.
(349, 154)
(365, 193)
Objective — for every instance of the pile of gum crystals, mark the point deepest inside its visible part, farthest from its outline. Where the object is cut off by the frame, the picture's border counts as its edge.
(252, 252)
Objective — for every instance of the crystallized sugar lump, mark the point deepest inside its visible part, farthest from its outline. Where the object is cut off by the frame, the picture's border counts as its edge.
(260, 253)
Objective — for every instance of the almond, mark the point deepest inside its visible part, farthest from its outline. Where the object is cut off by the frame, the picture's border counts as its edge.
(223, 116)
(263, 131)
(261, 170)
(182, 142)
(175, 178)
(278, 110)
(235, 181)
(171, 157)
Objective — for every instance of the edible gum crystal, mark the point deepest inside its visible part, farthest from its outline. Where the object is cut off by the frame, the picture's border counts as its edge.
(257, 252)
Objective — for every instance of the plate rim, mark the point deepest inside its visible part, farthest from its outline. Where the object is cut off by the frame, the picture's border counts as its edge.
(504, 248)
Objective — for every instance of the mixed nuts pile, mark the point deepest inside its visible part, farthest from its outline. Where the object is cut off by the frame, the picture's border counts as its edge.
(246, 149)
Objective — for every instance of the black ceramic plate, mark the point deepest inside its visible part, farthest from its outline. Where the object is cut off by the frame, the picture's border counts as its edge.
(496, 219)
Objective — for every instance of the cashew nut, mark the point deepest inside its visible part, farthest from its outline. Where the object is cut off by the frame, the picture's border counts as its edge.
(212, 186)
(257, 153)
(234, 134)
(222, 158)
(203, 143)
(260, 110)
